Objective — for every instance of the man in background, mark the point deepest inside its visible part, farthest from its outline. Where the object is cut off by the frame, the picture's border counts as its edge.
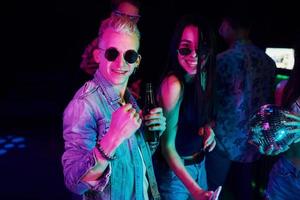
(245, 78)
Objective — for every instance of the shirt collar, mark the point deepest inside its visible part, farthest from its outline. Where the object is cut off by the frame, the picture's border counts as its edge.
(107, 88)
(110, 93)
(241, 42)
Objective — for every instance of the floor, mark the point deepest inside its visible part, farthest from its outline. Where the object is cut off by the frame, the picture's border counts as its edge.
(30, 165)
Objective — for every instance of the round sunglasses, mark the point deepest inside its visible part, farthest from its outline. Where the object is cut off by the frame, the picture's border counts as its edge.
(185, 51)
(130, 56)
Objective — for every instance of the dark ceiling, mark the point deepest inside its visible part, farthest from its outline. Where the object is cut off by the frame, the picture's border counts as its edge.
(42, 41)
(51, 33)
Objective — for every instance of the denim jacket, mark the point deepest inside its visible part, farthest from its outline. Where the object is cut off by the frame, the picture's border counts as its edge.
(86, 119)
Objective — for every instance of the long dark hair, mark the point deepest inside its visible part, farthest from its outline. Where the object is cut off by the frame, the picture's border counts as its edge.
(206, 47)
(291, 91)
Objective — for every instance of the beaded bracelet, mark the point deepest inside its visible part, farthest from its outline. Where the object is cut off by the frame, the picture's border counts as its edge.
(103, 154)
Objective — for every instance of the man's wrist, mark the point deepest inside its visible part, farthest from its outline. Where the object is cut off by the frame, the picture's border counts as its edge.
(103, 153)
(107, 145)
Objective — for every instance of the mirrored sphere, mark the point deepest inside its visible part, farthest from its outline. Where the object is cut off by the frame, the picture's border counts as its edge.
(267, 129)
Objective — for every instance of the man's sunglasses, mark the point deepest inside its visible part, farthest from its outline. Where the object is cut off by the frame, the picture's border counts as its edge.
(185, 51)
(130, 56)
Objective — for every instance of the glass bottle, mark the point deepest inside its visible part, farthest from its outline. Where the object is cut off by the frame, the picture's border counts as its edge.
(151, 136)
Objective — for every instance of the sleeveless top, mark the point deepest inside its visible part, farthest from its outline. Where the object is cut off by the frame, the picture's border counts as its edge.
(187, 139)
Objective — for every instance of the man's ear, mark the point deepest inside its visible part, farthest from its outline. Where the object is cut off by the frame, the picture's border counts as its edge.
(138, 61)
(96, 55)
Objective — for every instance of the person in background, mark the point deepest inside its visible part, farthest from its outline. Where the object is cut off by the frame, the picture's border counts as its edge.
(284, 178)
(125, 8)
(245, 81)
(186, 95)
(279, 92)
(88, 63)
(106, 156)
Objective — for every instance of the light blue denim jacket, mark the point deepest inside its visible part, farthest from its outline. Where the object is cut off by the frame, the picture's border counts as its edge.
(86, 119)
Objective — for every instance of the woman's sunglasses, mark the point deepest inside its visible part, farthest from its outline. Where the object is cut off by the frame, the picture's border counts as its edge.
(185, 51)
(130, 56)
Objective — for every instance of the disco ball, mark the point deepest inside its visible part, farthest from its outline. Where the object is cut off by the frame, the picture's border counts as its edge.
(267, 129)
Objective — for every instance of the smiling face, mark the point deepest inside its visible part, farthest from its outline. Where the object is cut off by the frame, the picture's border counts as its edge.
(117, 71)
(189, 40)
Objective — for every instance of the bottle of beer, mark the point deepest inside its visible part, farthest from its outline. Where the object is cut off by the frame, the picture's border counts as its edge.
(151, 136)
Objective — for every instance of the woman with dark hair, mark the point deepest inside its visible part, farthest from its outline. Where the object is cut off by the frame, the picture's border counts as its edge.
(284, 178)
(186, 95)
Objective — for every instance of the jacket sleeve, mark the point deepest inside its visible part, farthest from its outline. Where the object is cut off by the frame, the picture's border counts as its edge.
(80, 135)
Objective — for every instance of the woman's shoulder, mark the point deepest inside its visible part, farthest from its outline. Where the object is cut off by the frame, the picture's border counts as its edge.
(171, 82)
(170, 91)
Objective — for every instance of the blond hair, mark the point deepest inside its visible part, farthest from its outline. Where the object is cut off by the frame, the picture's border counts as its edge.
(119, 24)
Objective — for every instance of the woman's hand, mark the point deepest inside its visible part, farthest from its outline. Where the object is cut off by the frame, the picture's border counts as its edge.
(208, 137)
(202, 194)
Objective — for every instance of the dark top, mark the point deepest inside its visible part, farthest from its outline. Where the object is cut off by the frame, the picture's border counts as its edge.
(187, 140)
(245, 80)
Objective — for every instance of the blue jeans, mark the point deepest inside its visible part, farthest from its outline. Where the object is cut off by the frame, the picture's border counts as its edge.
(217, 168)
(171, 187)
(284, 181)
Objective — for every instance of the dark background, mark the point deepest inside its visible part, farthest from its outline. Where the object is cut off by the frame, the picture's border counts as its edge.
(41, 44)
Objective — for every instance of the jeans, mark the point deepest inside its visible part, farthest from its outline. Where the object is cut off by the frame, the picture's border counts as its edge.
(284, 181)
(217, 168)
(171, 187)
